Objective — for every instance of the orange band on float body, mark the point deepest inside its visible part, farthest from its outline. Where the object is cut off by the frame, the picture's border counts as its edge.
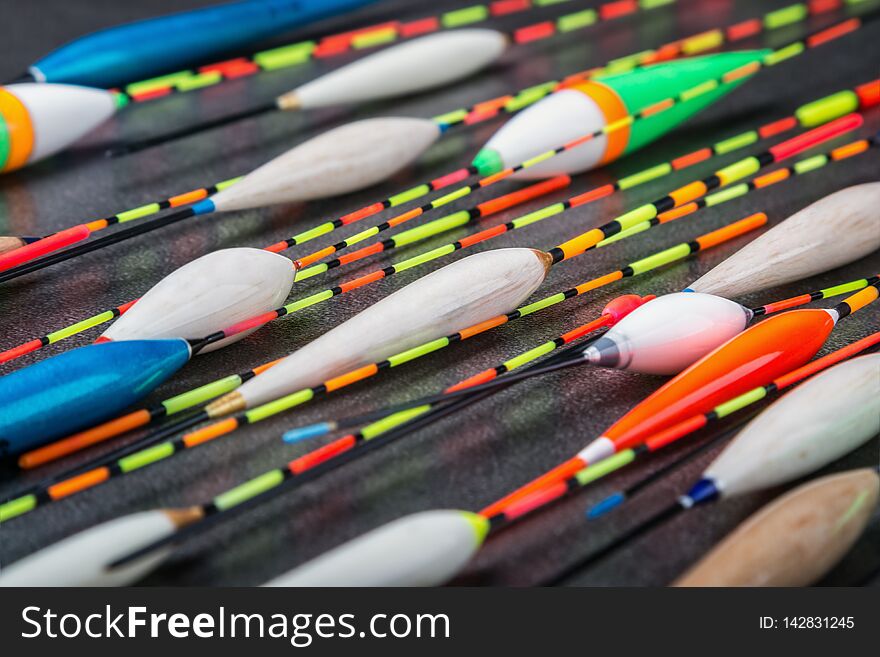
(614, 110)
(21, 130)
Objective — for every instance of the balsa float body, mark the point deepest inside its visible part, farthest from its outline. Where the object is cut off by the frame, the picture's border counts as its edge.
(466, 292)
(413, 66)
(847, 218)
(816, 423)
(794, 540)
(407, 68)
(206, 295)
(589, 106)
(39, 120)
(345, 159)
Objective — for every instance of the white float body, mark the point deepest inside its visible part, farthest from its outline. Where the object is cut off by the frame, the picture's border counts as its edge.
(670, 333)
(61, 114)
(816, 423)
(410, 67)
(81, 559)
(833, 231)
(423, 549)
(207, 295)
(557, 119)
(342, 160)
(459, 295)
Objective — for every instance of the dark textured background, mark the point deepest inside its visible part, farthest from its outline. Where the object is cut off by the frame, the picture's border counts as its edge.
(493, 447)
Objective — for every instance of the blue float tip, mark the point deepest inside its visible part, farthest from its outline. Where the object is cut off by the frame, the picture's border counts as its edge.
(704, 490)
(687, 289)
(205, 206)
(606, 505)
(304, 433)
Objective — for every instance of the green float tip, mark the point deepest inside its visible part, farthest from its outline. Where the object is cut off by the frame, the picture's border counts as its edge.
(120, 99)
(487, 162)
(480, 525)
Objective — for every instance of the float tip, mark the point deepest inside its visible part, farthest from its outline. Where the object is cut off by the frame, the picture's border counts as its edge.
(606, 505)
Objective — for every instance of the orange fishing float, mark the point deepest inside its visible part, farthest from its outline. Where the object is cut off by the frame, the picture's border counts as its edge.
(751, 359)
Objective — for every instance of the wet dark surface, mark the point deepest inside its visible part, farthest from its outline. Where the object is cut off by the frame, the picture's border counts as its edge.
(482, 453)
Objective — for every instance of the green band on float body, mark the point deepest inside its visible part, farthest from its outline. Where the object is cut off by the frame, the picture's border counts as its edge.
(5, 142)
(643, 88)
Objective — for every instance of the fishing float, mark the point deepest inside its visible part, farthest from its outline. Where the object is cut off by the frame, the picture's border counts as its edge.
(754, 357)
(39, 120)
(408, 68)
(362, 153)
(399, 351)
(365, 38)
(629, 345)
(856, 201)
(698, 422)
(818, 521)
(728, 175)
(431, 547)
(100, 567)
(123, 53)
(612, 313)
(818, 422)
(613, 98)
(696, 44)
(661, 439)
